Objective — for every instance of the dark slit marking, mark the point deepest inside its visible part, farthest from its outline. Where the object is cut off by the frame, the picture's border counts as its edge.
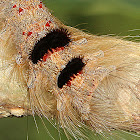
(56, 38)
(72, 68)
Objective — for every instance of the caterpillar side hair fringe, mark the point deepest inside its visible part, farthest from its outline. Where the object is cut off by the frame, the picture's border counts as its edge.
(82, 80)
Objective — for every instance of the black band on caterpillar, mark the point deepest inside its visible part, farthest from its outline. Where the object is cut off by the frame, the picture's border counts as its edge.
(55, 39)
(72, 68)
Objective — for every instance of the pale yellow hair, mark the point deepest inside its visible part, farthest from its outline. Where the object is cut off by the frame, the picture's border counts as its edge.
(111, 75)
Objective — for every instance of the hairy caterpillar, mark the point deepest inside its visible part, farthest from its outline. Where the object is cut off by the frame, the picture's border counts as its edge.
(89, 98)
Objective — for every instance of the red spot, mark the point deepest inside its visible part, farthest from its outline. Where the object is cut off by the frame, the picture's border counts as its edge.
(49, 21)
(80, 72)
(69, 83)
(59, 49)
(47, 24)
(40, 5)
(23, 33)
(14, 6)
(29, 33)
(46, 55)
(62, 48)
(20, 9)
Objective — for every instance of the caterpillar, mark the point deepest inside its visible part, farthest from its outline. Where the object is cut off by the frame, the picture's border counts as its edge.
(84, 81)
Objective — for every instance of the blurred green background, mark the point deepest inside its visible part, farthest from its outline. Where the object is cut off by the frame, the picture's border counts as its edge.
(116, 17)
(100, 17)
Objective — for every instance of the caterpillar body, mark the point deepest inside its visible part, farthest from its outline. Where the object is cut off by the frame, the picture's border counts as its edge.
(82, 80)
